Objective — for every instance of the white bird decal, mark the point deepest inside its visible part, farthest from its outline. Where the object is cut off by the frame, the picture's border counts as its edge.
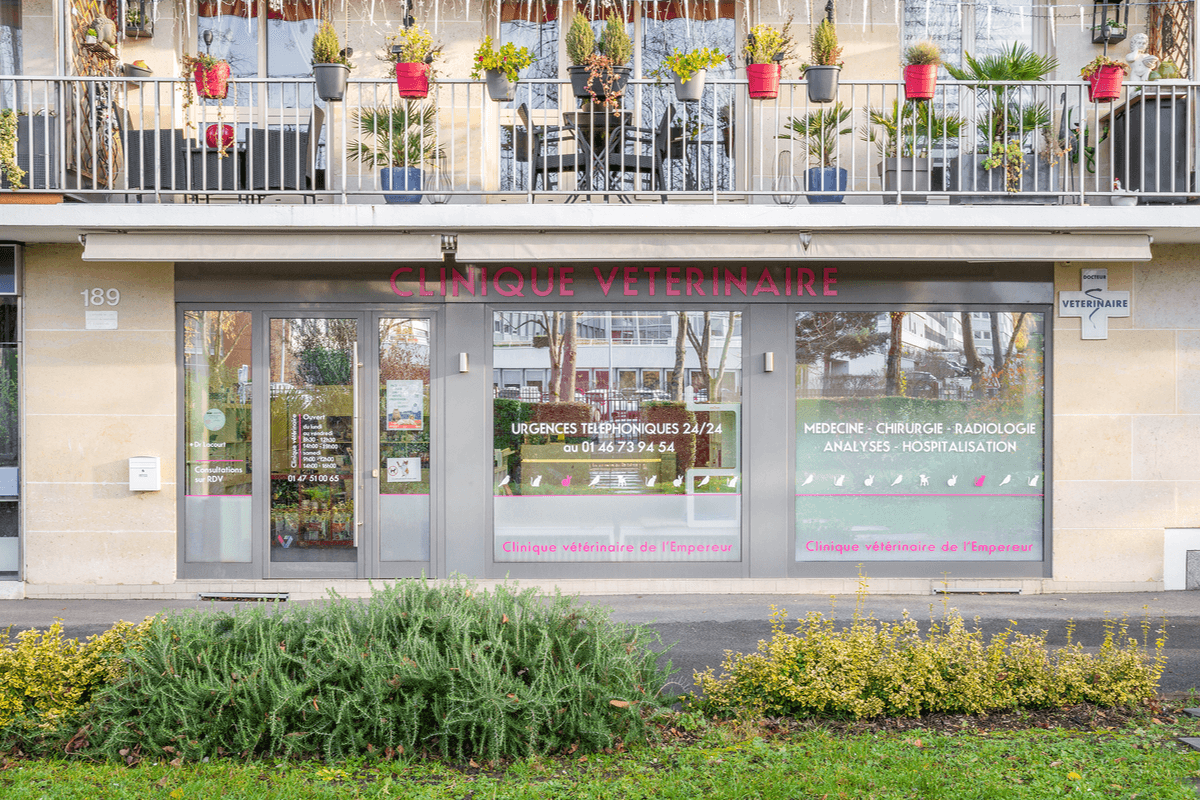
(870, 481)
(620, 480)
(732, 482)
(504, 481)
(595, 480)
(953, 480)
(678, 481)
(898, 479)
(703, 482)
(838, 480)
(1007, 478)
(650, 481)
(1033, 481)
(809, 479)
(536, 481)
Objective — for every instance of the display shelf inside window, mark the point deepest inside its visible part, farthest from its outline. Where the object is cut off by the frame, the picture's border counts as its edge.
(139, 22)
(1110, 22)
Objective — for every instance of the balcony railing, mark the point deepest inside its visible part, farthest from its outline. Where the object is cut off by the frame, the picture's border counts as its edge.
(125, 140)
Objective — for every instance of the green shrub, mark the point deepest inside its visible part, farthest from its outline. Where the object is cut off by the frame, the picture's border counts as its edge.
(873, 668)
(448, 669)
(45, 679)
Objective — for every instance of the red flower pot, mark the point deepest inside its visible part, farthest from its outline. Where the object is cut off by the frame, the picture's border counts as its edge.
(1105, 84)
(919, 81)
(412, 80)
(226, 134)
(213, 83)
(763, 80)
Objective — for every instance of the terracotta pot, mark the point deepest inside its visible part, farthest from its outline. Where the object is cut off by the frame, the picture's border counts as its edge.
(412, 80)
(213, 83)
(226, 134)
(763, 80)
(919, 81)
(1104, 85)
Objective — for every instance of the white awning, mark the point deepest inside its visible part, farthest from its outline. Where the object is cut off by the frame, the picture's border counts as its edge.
(260, 247)
(792, 246)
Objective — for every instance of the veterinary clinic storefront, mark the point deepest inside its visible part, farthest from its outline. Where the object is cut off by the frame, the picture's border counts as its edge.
(729, 419)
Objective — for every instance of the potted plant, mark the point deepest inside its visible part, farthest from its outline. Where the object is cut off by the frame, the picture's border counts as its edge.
(331, 64)
(1104, 76)
(90, 36)
(398, 140)
(766, 50)
(921, 61)
(413, 52)
(904, 136)
(598, 70)
(1110, 31)
(10, 171)
(138, 24)
(1009, 118)
(817, 137)
(689, 69)
(501, 68)
(822, 75)
(211, 75)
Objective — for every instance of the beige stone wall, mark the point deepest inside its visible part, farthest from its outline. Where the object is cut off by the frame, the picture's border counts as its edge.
(1127, 423)
(92, 399)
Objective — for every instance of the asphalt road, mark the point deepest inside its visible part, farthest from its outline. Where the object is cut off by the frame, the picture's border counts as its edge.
(701, 628)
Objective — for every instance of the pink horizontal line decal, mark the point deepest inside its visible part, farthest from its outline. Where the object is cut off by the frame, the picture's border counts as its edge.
(216, 496)
(402, 494)
(220, 461)
(631, 494)
(918, 495)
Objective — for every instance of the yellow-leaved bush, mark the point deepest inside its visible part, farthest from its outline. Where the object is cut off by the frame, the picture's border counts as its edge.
(44, 678)
(873, 668)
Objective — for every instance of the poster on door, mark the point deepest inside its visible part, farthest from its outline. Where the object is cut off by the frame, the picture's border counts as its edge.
(404, 405)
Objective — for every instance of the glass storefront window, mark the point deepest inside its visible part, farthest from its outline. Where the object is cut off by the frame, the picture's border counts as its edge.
(584, 473)
(404, 424)
(217, 431)
(919, 436)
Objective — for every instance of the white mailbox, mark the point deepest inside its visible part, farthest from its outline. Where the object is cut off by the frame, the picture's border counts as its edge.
(144, 474)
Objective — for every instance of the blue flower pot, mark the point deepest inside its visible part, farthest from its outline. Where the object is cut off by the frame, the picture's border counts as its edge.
(826, 179)
(401, 179)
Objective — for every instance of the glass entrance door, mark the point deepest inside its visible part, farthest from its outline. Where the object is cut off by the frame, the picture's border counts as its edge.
(314, 524)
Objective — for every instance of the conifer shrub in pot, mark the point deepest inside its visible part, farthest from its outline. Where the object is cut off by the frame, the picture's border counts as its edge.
(821, 76)
(599, 70)
(331, 64)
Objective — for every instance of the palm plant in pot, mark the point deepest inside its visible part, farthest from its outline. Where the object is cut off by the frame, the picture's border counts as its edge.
(599, 69)
(821, 75)
(413, 52)
(766, 51)
(331, 64)
(1010, 117)
(817, 137)
(905, 135)
(921, 61)
(689, 70)
(500, 67)
(398, 140)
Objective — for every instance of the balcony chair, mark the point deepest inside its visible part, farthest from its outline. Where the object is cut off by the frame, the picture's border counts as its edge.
(543, 150)
(274, 156)
(643, 153)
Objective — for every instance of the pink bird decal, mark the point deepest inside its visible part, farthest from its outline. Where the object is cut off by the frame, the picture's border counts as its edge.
(979, 480)
(566, 481)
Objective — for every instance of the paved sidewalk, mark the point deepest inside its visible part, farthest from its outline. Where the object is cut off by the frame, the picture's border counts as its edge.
(702, 627)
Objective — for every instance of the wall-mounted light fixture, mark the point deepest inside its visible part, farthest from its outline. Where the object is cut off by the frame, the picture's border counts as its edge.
(463, 366)
(768, 362)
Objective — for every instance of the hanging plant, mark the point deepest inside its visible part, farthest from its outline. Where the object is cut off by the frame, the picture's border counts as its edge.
(598, 69)
(211, 81)
(8, 149)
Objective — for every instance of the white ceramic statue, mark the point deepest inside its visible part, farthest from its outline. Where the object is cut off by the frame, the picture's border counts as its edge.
(1141, 63)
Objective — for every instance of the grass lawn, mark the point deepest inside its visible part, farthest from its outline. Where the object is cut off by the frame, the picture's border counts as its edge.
(1109, 755)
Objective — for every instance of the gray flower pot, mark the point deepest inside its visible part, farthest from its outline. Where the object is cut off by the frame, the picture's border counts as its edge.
(822, 83)
(499, 87)
(967, 174)
(581, 80)
(331, 81)
(909, 175)
(692, 90)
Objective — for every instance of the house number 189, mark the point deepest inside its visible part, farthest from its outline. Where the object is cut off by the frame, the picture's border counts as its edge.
(100, 297)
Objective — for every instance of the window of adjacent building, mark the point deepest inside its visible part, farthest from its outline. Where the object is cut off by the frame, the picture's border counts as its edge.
(648, 470)
(978, 28)
(285, 51)
(10, 49)
(920, 447)
(217, 431)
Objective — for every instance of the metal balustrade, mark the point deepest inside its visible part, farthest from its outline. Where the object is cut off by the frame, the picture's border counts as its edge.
(150, 140)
